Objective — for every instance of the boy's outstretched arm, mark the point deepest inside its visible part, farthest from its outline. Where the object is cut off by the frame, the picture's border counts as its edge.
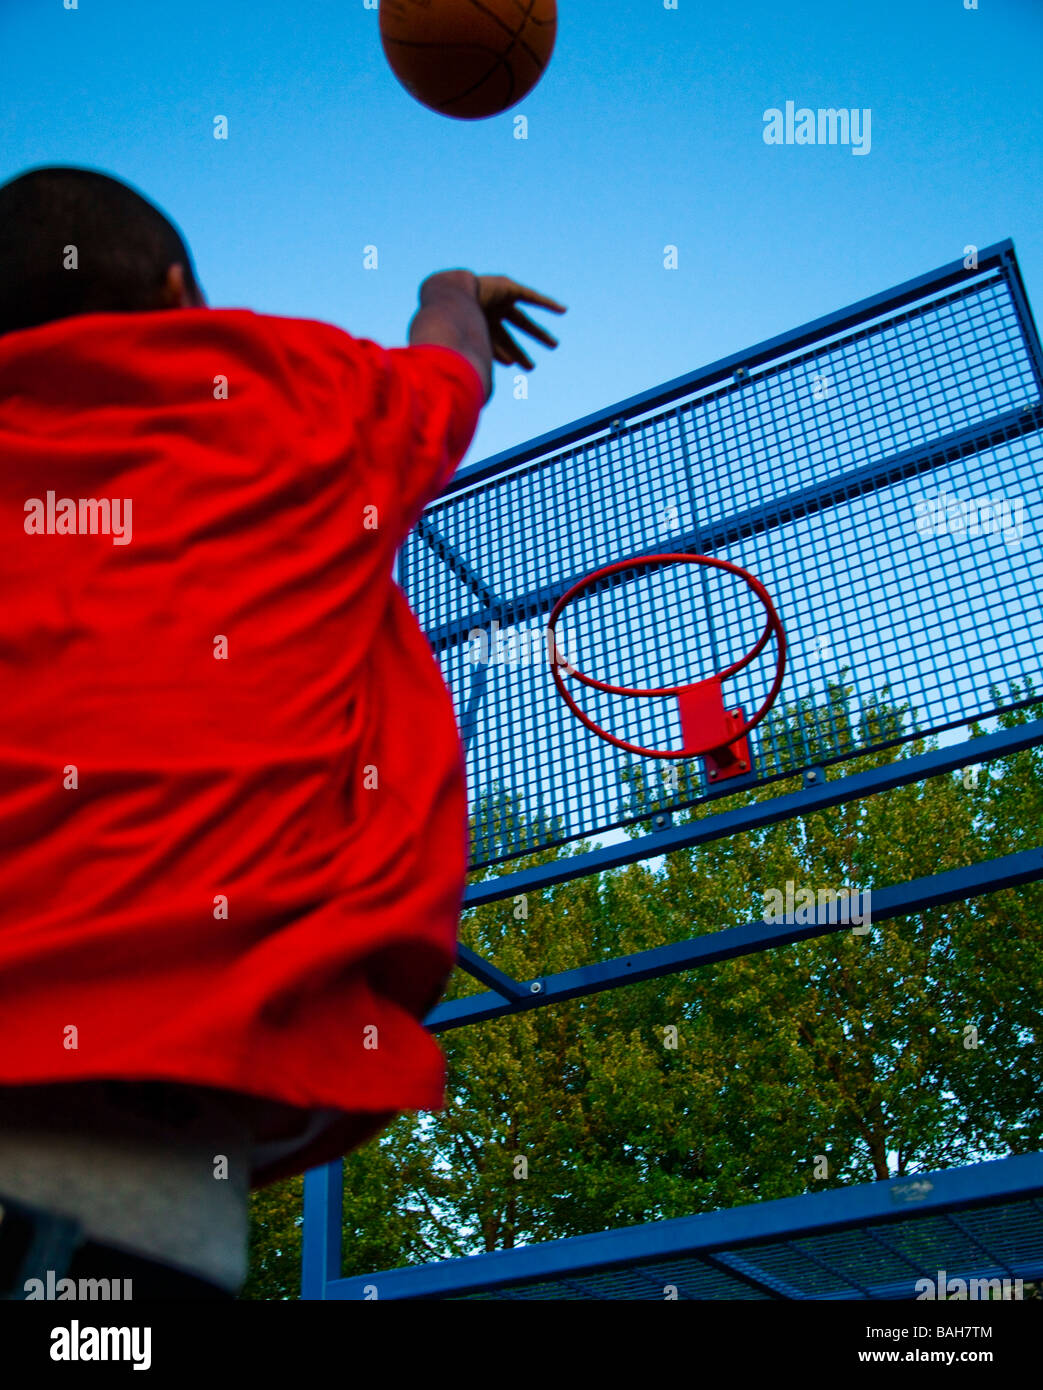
(461, 310)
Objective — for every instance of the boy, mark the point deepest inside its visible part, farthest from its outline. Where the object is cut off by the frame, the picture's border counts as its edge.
(233, 828)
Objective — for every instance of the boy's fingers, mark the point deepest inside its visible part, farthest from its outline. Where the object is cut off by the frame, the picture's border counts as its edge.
(511, 347)
(501, 344)
(500, 352)
(534, 297)
(521, 320)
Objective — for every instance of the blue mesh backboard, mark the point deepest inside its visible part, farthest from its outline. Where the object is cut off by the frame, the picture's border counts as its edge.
(879, 471)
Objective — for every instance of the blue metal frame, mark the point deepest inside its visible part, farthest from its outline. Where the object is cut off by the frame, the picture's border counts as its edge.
(728, 1241)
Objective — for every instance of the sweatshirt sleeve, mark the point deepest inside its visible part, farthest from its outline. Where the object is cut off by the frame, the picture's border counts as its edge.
(421, 407)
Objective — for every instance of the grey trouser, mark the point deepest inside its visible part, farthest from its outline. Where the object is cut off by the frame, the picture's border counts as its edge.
(159, 1170)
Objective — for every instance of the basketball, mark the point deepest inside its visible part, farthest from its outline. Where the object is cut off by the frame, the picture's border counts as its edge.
(468, 58)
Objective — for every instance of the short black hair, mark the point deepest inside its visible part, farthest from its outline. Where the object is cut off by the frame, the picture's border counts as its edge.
(124, 248)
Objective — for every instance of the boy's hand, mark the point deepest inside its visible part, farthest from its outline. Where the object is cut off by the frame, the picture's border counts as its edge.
(498, 297)
(464, 311)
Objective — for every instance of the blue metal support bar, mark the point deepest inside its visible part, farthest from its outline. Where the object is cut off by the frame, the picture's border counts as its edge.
(321, 1240)
(788, 1219)
(898, 900)
(735, 1268)
(731, 1262)
(990, 1255)
(456, 564)
(828, 1268)
(760, 814)
(488, 974)
(993, 257)
(878, 1238)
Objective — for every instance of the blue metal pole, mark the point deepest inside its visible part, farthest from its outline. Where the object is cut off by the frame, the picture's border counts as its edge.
(321, 1237)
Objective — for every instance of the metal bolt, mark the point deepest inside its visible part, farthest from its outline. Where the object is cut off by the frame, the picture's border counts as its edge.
(812, 776)
(535, 987)
(712, 773)
(742, 767)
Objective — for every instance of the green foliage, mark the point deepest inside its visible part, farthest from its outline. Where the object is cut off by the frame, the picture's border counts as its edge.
(275, 1241)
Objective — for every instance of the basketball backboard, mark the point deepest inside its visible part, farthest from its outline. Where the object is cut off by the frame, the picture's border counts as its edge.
(879, 470)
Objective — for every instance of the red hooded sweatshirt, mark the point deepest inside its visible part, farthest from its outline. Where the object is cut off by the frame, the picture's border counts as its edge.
(233, 826)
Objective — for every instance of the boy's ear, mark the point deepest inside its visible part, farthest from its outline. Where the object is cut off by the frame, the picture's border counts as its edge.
(175, 293)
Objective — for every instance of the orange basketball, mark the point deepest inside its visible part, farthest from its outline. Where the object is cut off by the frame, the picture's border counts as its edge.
(468, 58)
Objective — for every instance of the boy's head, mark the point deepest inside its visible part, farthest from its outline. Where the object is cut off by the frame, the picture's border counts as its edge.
(128, 256)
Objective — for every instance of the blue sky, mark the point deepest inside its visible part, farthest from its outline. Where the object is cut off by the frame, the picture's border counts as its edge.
(646, 131)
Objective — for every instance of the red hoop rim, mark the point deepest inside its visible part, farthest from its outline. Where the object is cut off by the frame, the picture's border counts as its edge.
(773, 626)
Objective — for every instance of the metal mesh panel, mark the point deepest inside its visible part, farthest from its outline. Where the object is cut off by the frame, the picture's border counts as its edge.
(691, 1279)
(884, 484)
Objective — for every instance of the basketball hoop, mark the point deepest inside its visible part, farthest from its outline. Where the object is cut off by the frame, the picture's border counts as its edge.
(709, 731)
